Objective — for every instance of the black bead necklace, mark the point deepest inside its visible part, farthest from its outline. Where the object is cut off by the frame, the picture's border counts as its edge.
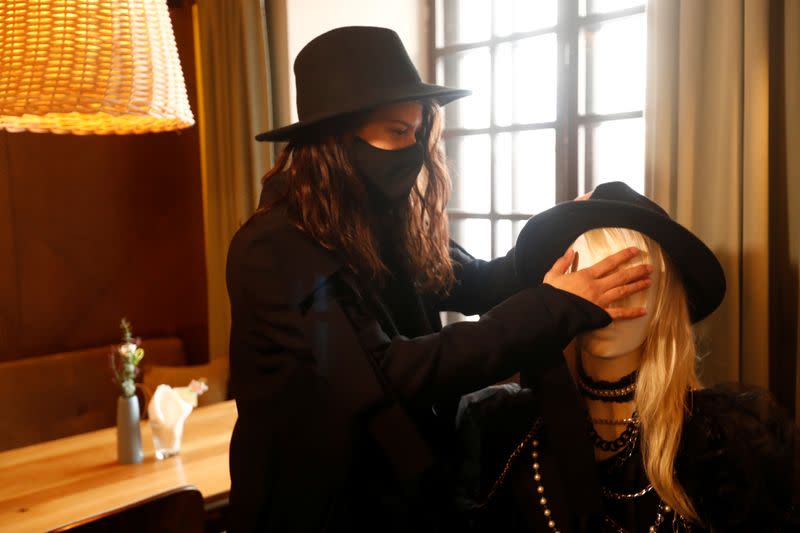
(619, 391)
(625, 439)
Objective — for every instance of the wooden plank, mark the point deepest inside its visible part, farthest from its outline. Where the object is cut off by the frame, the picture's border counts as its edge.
(9, 286)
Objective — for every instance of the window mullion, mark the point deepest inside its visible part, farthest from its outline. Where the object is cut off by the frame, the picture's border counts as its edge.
(492, 134)
(567, 129)
(589, 129)
(433, 22)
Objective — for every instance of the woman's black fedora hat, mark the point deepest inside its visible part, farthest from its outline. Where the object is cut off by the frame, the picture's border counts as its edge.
(546, 236)
(352, 69)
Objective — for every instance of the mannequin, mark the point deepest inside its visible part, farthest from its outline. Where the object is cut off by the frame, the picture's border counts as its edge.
(658, 347)
(669, 454)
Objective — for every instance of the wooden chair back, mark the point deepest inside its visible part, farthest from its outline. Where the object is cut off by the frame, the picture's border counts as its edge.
(177, 511)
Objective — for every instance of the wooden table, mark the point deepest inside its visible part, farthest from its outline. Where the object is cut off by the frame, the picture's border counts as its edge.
(55, 483)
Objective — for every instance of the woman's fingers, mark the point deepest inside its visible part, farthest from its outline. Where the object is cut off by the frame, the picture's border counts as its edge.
(625, 276)
(618, 293)
(612, 262)
(600, 284)
(561, 265)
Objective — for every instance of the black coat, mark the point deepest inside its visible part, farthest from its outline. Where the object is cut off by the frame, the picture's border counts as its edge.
(344, 420)
(738, 461)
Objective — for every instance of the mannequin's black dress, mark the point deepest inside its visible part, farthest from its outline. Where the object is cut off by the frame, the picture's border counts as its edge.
(736, 461)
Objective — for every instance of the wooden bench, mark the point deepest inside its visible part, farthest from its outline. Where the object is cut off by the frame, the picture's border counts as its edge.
(58, 395)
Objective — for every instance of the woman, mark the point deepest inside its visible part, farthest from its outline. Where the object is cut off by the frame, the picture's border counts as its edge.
(669, 455)
(345, 382)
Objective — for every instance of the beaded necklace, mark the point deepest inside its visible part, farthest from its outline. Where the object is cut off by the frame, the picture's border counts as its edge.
(541, 495)
(623, 441)
(612, 421)
(548, 514)
(621, 390)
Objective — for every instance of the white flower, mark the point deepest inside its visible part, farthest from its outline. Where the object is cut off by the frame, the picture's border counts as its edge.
(129, 348)
(198, 387)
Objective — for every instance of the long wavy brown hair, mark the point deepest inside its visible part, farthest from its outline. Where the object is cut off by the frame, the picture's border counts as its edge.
(328, 200)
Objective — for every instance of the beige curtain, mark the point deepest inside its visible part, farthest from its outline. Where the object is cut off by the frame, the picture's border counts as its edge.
(711, 154)
(235, 105)
(792, 201)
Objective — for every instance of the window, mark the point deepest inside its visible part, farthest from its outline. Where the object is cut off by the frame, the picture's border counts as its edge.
(557, 107)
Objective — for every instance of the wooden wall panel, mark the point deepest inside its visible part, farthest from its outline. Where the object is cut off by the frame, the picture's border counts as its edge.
(8, 269)
(100, 227)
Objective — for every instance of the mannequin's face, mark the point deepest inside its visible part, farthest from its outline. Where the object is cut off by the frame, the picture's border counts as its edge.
(621, 336)
(392, 126)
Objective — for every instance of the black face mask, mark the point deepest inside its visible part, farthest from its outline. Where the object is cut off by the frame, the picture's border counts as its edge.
(391, 173)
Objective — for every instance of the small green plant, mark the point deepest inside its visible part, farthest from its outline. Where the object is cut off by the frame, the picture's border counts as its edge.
(125, 360)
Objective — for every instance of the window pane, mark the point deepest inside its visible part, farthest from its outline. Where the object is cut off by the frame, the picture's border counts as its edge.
(534, 163)
(524, 178)
(525, 80)
(503, 84)
(607, 6)
(452, 318)
(524, 15)
(618, 153)
(475, 235)
(503, 173)
(613, 61)
(518, 225)
(582, 161)
(467, 70)
(470, 158)
(462, 21)
(505, 235)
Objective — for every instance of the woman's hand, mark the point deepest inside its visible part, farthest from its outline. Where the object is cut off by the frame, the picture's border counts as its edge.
(599, 283)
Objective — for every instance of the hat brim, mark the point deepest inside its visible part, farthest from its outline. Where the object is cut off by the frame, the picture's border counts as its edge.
(420, 91)
(546, 236)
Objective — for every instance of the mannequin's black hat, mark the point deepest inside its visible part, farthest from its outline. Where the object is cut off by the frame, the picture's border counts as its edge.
(351, 69)
(546, 236)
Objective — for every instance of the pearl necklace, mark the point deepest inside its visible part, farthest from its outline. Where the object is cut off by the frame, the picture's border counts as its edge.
(537, 477)
(613, 421)
(548, 514)
(540, 490)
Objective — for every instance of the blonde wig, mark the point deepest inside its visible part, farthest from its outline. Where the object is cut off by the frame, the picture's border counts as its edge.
(668, 366)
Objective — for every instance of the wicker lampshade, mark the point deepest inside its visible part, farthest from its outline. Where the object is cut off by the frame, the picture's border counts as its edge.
(90, 66)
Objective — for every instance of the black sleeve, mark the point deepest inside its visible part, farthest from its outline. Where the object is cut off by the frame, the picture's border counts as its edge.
(466, 356)
(279, 338)
(480, 285)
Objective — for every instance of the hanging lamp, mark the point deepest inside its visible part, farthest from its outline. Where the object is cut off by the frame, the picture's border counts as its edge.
(90, 67)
